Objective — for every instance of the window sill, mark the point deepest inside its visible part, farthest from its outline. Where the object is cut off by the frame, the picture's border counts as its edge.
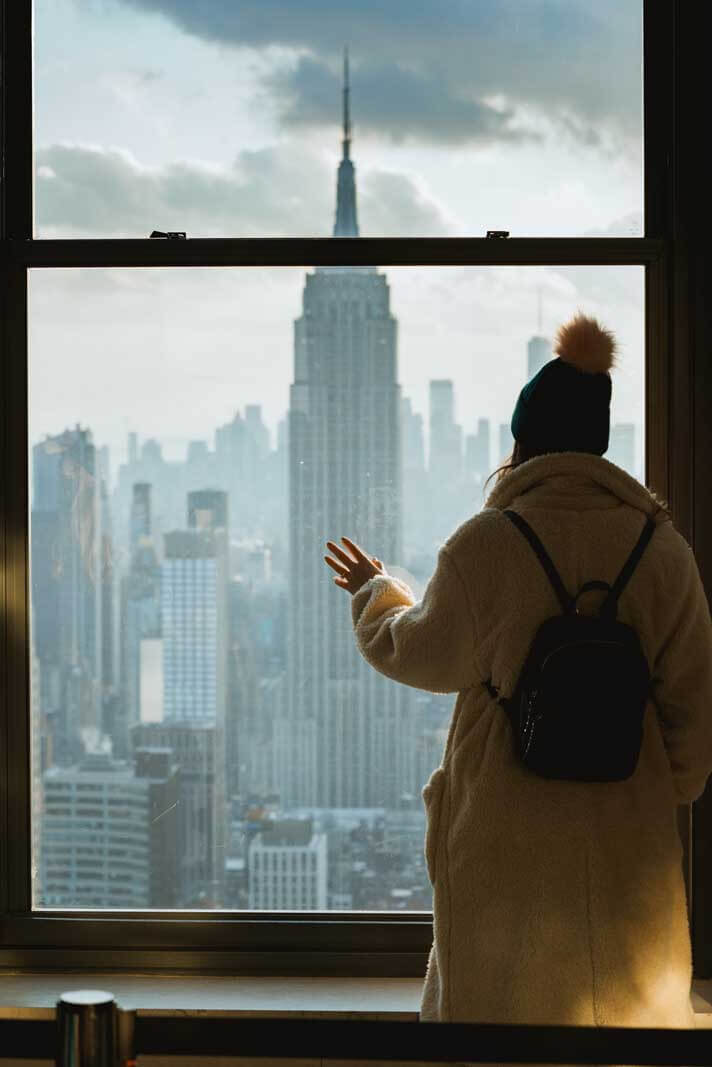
(35, 995)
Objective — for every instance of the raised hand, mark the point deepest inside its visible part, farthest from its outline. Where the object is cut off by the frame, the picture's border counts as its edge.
(353, 568)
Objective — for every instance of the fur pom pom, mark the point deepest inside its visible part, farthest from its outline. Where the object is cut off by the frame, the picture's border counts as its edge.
(586, 345)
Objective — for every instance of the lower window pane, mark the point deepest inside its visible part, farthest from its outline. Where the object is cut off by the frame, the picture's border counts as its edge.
(204, 732)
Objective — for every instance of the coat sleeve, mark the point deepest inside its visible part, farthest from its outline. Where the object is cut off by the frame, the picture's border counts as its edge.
(429, 645)
(683, 686)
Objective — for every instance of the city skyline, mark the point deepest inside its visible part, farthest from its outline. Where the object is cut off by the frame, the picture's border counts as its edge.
(197, 695)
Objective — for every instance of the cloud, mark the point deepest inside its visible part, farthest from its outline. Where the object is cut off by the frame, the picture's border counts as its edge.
(630, 225)
(84, 190)
(392, 205)
(427, 70)
(402, 102)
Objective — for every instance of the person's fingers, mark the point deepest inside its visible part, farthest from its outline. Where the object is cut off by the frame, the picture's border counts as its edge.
(377, 561)
(339, 553)
(343, 582)
(353, 547)
(343, 571)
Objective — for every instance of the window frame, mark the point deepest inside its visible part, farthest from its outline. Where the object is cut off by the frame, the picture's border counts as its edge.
(383, 944)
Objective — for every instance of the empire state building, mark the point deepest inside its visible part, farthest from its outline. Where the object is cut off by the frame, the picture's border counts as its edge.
(350, 723)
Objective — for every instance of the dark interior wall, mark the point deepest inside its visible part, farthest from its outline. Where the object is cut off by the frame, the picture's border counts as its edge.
(692, 295)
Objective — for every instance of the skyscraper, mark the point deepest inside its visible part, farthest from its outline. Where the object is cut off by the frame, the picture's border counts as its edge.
(621, 447)
(344, 478)
(415, 500)
(538, 353)
(505, 443)
(194, 613)
(66, 587)
(538, 348)
(140, 519)
(106, 591)
(140, 614)
(477, 450)
(196, 748)
(242, 451)
(207, 510)
(445, 461)
(109, 833)
(445, 434)
(195, 642)
(346, 221)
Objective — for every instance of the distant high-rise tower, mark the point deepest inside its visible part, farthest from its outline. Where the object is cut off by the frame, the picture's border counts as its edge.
(66, 587)
(538, 349)
(140, 615)
(445, 434)
(346, 222)
(415, 500)
(195, 643)
(477, 450)
(445, 462)
(505, 443)
(538, 353)
(140, 519)
(207, 509)
(194, 616)
(344, 478)
(621, 446)
(242, 452)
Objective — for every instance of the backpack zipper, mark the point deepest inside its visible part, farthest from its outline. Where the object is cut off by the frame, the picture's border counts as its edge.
(571, 644)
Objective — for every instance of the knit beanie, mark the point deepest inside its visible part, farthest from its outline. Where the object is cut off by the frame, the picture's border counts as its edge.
(566, 405)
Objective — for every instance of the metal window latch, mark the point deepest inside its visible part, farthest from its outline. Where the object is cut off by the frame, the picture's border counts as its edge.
(498, 233)
(172, 235)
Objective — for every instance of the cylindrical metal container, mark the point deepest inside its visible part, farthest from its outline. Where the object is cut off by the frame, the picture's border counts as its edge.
(87, 1029)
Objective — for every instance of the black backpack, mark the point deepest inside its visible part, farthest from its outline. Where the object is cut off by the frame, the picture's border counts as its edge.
(577, 710)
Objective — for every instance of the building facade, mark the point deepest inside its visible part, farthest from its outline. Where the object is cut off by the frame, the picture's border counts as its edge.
(287, 867)
(344, 478)
(538, 353)
(105, 824)
(66, 588)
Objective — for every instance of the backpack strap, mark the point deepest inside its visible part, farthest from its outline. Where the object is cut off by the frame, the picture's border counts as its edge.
(567, 602)
(610, 605)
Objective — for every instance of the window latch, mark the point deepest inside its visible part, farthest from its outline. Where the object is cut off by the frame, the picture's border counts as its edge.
(497, 233)
(172, 235)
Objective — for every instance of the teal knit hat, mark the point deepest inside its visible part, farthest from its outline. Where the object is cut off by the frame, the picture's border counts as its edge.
(566, 405)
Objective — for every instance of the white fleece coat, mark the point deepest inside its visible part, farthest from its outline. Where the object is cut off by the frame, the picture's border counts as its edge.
(554, 902)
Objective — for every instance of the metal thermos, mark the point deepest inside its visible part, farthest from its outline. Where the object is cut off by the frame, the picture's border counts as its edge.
(87, 1029)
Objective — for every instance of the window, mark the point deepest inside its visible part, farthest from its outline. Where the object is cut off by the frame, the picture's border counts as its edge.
(233, 651)
(81, 308)
(222, 119)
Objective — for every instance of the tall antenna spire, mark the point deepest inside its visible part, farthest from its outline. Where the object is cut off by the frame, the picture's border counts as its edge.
(346, 224)
(347, 114)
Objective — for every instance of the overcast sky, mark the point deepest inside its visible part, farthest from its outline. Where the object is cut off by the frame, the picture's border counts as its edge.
(221, 117)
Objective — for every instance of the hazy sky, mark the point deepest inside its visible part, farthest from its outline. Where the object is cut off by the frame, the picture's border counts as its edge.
(221, 117)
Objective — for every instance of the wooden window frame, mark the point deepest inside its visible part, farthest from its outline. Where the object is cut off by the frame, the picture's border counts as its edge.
(353, 944)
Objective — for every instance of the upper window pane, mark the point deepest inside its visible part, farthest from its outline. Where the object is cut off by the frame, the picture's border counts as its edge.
(225, 117)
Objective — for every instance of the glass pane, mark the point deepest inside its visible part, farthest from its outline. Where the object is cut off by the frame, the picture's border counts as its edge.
(205, 733)
(227, 119)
